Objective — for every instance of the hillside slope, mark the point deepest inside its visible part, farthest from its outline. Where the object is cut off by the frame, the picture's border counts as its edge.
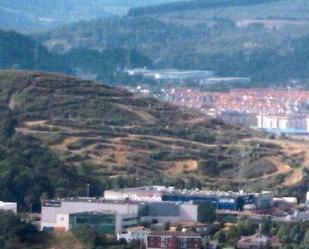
(121, 135)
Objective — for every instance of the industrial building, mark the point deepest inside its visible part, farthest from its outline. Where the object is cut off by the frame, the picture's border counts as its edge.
(220, 200)
(168, 211)
(171, 74)
(68, 213)
(111, 216)
(103, 221)
(228, 80)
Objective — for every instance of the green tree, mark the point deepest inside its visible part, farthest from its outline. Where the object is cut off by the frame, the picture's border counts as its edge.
(15, 233)
(266, 226)
(220, 236)
(306, 238)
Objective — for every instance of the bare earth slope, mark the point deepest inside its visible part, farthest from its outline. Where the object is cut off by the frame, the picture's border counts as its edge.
(120, 134)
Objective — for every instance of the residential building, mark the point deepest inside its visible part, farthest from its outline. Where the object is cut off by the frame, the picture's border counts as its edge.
(188, 226)
(134, 233)
(258, 241)
(284, 122)
(173, 240)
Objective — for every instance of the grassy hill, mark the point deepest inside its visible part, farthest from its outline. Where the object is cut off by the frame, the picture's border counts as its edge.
(136, 140)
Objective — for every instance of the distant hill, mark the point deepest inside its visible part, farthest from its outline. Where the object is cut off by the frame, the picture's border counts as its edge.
(18, 51)
(195, 5)
(38, 16)
(141, 140)
(253, 40)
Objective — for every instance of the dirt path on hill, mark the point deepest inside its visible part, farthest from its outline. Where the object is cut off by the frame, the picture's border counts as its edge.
(298, 173)
(293, 175)
(140, 113)
(64, 145)
(36, 123)
(291, 147)
(182, 167)
(282, 168)
(12, 102)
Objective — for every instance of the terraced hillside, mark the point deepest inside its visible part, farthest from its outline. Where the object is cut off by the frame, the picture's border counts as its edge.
(120, 134)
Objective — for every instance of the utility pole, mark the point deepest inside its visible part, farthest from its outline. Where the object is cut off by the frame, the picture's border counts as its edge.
(88, 189)
(241, 167)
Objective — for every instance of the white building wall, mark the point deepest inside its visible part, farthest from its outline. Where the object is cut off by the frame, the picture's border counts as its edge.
(189, 211)
(8, 206)
(283, 124)
(259, 121)
(49, 214)
(63, 220)
(136, 235)
(307, 124)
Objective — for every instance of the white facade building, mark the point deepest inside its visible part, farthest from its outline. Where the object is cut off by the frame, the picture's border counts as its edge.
(55, 214)
(283, 122)
(8, 206)
(134, 233)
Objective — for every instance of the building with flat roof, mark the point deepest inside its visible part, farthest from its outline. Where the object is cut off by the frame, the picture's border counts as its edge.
(172, 74)
(228, 80)
(69, 213)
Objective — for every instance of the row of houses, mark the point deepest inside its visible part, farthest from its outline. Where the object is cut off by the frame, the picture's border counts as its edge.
(284, 123)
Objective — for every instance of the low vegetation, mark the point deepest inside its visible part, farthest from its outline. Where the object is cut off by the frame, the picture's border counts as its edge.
(105, 136)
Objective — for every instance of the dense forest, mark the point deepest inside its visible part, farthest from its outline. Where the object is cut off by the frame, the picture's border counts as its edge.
(111, 45)
(269, 49)
(19, 51)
